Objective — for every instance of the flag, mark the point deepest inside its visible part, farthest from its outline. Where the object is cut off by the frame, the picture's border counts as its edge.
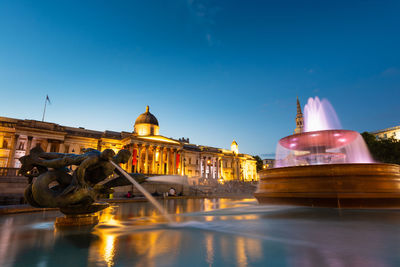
(134, 157)
(177, 160)
(48, 99)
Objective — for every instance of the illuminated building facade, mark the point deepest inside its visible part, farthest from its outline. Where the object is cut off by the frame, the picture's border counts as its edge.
(393, 132)
(268, 163)
(151, 153)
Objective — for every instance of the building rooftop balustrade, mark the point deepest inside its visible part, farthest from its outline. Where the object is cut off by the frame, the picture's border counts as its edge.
(9, 172)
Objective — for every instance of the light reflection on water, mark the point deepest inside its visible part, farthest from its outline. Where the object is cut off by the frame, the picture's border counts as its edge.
(208, 232)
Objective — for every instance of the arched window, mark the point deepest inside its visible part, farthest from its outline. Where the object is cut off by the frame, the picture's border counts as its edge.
(5, 144)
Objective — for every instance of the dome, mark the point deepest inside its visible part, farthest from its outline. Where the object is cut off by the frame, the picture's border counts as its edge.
(147, 118)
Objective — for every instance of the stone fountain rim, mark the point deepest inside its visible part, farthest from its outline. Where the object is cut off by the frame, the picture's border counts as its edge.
(339, 168)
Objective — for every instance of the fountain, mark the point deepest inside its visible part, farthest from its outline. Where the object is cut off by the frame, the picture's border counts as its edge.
(328, 166)
(209, 231)
(76, 193)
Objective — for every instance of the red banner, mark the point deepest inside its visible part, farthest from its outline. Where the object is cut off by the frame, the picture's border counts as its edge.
(134, 157)
(177, 160)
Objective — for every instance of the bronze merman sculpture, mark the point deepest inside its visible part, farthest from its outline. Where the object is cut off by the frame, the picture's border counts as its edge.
(74, 192)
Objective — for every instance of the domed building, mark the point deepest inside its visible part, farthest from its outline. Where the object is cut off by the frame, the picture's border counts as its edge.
(152, 153)
(146, 124)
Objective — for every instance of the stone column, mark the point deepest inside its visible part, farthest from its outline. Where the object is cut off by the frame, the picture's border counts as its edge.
(182, 163)
(217, 167)
(205, 165)
(48, 148)
(161, 161)
(11, 158)
(146, 160)
(168, 165)
(209, 168)
(153, 163)
(139, 161)
(237, 169)
(130, 165)
(98, 145)
(1, 141)
(174, 162)
(234, 166)
(61, 147)
(222, 167)
(198, 163)
(214, 167)
(28, 145)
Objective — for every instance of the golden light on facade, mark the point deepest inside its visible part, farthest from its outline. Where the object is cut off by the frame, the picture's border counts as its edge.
(152, 146)
(159, 138)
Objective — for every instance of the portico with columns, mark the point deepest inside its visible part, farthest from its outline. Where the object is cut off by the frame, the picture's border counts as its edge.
(152, 153)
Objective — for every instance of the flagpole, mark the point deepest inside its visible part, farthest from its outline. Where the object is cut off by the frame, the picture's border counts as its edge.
(44, 111)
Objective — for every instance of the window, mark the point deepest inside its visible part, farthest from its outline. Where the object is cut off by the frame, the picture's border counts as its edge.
(21, 146)
(5, 144)
(190, 160)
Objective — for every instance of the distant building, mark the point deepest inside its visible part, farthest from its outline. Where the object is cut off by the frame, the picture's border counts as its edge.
(268, 163)
(393, 132)
(151, 153)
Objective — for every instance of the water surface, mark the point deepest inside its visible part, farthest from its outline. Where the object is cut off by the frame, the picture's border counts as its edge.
(207, 232)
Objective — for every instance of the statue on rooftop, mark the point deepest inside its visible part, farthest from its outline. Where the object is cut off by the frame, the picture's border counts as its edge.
(74, 192)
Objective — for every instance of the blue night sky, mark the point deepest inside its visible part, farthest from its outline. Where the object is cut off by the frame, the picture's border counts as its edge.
(212, 71)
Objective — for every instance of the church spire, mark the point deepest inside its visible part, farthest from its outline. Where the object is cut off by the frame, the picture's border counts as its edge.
(299, 118)
(298, 108)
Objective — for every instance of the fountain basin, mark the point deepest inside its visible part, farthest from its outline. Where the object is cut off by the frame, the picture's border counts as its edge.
(355, 185)
(327, 139)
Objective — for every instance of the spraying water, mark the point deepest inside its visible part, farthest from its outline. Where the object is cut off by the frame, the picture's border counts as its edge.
(174, 179)
(323, 141)
(320, 115)
(144, 192)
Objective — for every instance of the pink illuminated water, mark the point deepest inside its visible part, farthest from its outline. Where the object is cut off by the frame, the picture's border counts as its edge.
(320, 115)
(323, 141)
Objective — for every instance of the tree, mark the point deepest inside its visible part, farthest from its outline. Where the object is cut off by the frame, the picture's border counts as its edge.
(383, 150)
(259, 163)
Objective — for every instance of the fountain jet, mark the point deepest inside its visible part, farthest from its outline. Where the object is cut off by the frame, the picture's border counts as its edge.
(327, 166)
(323, 142)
